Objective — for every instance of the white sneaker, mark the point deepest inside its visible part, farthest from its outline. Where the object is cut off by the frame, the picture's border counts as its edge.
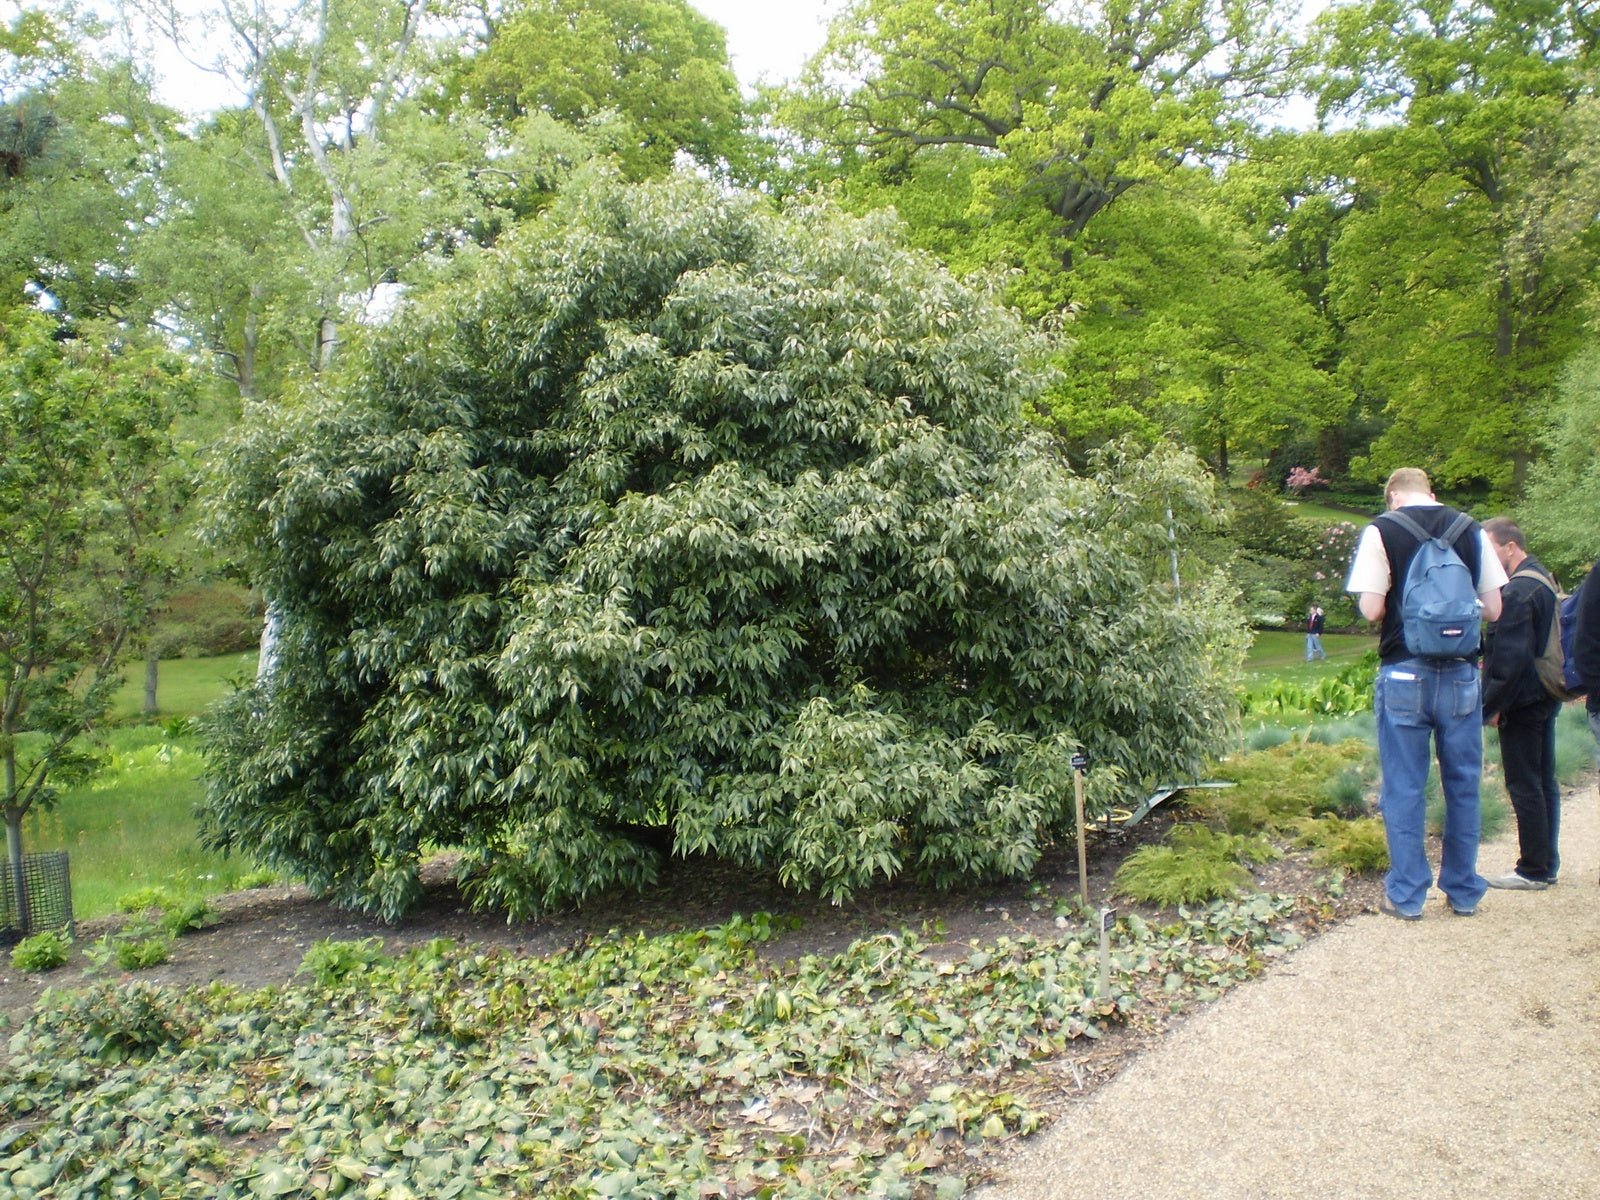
(1516, 883)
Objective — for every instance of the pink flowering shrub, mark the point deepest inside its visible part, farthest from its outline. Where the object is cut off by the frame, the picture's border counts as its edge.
(1331, 556)
(1300, 479)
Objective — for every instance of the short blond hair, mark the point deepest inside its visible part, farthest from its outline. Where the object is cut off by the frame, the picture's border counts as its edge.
(1408, 479)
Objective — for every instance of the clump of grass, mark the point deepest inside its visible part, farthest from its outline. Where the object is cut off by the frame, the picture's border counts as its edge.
(1197, 864)
(1265, 737)
(1345, 795)
(1494, 810)
(1280, 785)
(1575, 749)
(1357, 845)
(1360, 728)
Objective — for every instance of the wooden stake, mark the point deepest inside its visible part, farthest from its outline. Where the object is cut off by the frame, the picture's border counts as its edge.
(1083, 850)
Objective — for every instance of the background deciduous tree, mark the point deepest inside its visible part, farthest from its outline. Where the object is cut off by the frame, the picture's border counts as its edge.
(1460, 301)
(79, 180)
(90, 481)
(651, 77)
(1077, 146)
(1564, 486)
(334, 177)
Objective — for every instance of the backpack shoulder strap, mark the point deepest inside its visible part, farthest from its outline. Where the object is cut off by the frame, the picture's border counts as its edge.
(1460, 525)
(1409, 524)
(1528, 573)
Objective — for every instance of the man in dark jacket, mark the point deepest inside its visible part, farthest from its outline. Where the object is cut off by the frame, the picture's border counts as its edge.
(1517, 703)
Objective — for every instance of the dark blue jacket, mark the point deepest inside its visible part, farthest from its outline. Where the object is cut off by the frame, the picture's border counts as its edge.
(1586, 638)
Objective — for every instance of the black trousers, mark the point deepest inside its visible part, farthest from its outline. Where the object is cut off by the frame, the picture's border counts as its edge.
(1528, 756)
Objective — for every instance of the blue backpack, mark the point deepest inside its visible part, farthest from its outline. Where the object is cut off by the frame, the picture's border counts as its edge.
(1567, 614)
(1439, 606)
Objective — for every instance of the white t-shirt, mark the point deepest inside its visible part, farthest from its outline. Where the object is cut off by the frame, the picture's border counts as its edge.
(1369, 570)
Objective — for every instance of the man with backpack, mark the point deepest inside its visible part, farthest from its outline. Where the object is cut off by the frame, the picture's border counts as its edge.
(1522, 703)
(1428, 574)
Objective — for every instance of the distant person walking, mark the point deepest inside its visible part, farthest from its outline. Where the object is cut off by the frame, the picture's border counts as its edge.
(1425, 698)
(1519, 706)
(1314, 623)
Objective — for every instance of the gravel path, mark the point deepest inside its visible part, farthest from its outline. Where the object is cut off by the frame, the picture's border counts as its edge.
(1444, 1057)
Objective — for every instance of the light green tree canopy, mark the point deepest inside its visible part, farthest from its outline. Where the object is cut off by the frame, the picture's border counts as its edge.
(1564, 486)
(79, 163)
(90, 482)
(1072, 105)
(680, 514)
(653, 75)
(1180, 328)
(335, 176)
(1459, 274)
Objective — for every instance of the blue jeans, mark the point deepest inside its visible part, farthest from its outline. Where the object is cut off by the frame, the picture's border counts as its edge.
(1418, 702)
(1314, 647)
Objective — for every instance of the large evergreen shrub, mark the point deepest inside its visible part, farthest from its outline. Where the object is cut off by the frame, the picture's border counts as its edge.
(682, 517)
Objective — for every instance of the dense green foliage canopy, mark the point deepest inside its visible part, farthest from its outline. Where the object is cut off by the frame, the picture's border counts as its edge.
(90, 479)
(653, 74)
(685, 516)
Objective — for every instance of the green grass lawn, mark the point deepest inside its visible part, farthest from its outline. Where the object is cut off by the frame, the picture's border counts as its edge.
(184, 686)
(133, 826)
(1325, 514)
(1275, 655)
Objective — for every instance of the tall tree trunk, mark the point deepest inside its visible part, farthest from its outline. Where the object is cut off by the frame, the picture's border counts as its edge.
(19, 882)
(1505, 324)
(14, 812)
(249, 345)
(152, 673)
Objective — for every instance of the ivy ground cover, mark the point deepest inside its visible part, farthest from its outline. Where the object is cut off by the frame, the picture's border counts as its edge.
(687, 1064)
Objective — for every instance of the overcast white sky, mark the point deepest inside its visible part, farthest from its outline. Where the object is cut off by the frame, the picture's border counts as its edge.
(770, 39)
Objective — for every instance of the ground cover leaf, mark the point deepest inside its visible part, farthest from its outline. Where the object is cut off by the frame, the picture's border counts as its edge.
(683, 1064)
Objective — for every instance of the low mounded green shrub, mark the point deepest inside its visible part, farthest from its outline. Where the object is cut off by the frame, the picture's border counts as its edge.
(183, 916)
(1197, 864)
(332, 963)
(138, 954)
(1281, 784)
(116, 1022)
(144, 899)
(1358, 845)
(42, 952)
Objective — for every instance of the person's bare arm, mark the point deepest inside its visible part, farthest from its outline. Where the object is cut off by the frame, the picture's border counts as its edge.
(1492, 605)
(1372, 604)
